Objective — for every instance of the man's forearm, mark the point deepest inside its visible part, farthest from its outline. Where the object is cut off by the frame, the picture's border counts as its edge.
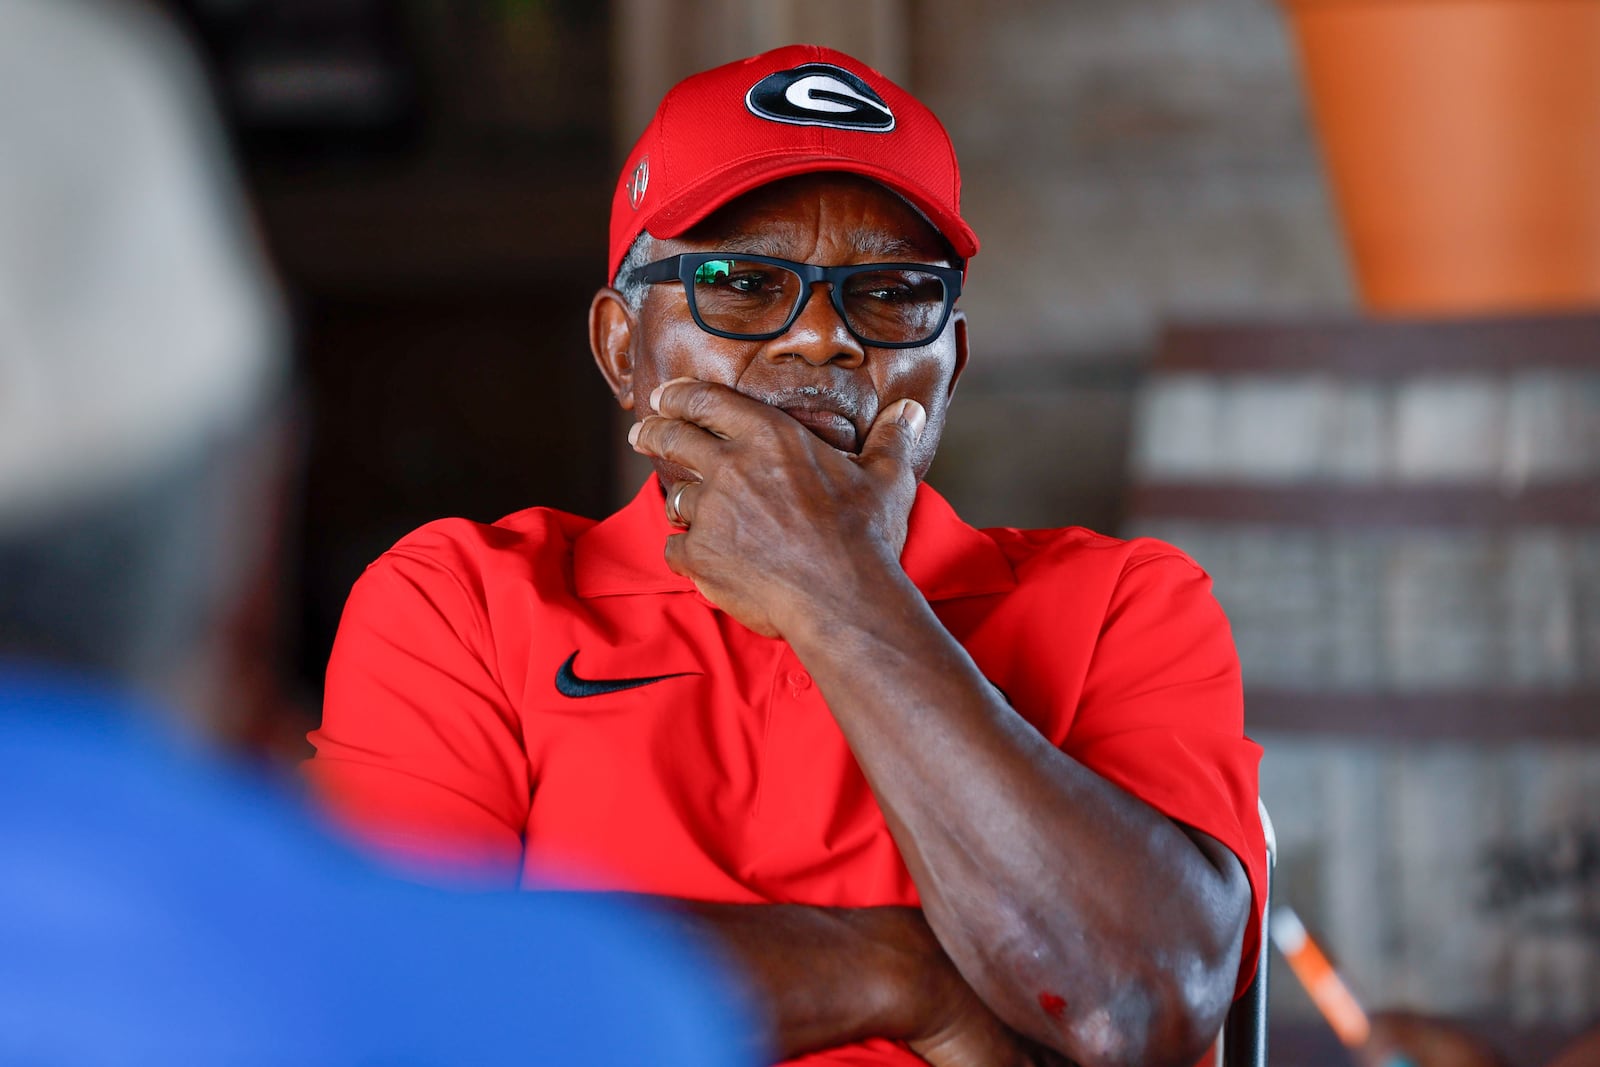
(825, 976)
(1083, 917)
(835, 976)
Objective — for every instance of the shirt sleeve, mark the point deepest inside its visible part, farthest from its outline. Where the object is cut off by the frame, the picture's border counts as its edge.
(1162, 714)
(420, 752)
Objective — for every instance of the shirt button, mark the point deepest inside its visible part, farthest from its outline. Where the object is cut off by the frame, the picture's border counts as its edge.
(800, 680)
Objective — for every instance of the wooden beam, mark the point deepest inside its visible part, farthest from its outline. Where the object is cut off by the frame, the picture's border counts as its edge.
(1384, 348)
(1358, 506)
(1435, 715)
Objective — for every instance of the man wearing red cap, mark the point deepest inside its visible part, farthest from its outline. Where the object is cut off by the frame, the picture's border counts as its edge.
(976, 797)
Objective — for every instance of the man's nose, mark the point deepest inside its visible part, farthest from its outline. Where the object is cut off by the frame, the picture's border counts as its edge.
(819, 336)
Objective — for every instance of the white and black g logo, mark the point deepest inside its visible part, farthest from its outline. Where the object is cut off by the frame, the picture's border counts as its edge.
(820, 94)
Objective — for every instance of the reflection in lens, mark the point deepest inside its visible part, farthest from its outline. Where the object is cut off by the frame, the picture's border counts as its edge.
(713, 271)
(743, 296)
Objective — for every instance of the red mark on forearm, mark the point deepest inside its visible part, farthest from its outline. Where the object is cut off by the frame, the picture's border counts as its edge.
(1053, 1005)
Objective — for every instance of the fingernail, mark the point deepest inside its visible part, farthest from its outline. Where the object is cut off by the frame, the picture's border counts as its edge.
(913, 416)
(655, 394)
(633, 434)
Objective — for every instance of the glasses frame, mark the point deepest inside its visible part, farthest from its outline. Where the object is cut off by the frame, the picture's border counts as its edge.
(682, 268)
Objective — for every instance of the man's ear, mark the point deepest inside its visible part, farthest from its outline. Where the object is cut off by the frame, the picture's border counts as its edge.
(611, 326)
(959, 324)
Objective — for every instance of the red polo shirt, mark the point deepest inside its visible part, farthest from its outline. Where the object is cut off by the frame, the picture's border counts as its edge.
(544, 698)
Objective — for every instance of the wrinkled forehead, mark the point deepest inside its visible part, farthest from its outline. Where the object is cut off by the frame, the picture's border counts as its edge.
(844, 211)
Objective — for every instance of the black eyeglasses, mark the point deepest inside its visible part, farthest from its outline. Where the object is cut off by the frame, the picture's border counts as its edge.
(757, 298)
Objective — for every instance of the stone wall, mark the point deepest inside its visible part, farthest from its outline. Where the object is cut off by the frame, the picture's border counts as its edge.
(1402, 520)
(1446, 876)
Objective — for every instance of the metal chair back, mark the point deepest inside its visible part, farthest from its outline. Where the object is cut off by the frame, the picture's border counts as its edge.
(1244, 1033)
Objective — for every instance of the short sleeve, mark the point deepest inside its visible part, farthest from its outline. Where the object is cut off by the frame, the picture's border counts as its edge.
(1162, 713)
(420, 752)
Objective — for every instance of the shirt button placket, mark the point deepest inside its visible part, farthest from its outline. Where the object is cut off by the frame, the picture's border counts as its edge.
(791, 685)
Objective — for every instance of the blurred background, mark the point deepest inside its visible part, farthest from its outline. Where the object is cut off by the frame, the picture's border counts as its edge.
(1310, 289)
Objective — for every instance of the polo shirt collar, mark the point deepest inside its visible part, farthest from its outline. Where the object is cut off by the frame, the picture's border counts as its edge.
(944, 557)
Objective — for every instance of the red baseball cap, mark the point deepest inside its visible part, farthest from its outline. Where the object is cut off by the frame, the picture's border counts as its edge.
(795, 110)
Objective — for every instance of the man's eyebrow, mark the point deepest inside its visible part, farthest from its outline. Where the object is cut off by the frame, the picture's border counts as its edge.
(759, 243)
(875, 243)
(885, 245)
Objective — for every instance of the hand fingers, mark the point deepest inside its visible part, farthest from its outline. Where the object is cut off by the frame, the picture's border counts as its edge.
(675, 554)
(717, 408)
(894, 434)
(683, 443)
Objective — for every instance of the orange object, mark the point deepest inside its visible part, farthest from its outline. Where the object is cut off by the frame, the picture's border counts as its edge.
(1462, 138)
(1328, 991)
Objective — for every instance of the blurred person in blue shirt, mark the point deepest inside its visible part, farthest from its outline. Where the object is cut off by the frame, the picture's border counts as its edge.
(158, 905)
(158, 908)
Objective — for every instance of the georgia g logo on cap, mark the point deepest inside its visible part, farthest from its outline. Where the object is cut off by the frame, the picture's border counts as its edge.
(638, 182)
(819, 94)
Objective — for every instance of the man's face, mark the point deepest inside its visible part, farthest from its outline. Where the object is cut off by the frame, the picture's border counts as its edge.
(816, 371)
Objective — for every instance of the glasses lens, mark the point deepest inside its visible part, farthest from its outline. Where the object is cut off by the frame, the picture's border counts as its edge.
(744, 297)
(885, 305)
(894, 306)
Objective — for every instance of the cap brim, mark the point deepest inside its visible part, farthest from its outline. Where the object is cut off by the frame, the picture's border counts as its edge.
(702, 198)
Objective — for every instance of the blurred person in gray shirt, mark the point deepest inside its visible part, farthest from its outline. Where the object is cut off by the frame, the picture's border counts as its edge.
(156, 904)
(142, 357)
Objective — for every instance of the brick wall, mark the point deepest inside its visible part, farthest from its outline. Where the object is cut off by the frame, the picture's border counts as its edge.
(1124, 164)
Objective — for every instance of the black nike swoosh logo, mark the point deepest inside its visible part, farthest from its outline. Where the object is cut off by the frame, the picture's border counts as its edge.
(568, 684)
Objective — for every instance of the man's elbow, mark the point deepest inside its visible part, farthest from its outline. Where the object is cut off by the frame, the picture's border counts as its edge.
(1173, 1000)
(1163, 1016)
(1160, 1005)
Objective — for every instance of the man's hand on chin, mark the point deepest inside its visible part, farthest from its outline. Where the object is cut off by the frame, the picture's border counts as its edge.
(783, 529)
